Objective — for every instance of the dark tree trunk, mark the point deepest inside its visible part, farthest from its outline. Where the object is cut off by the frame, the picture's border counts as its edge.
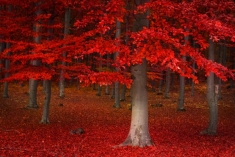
(168, 82)
(2, 47)
(113, 91)
(160, 83)
(181, 92)
(107, 90)
(7, 65)
(182, 85)
(98, 90)
(47, 83)
(33, 84)
(47, 91)
(100, 69)
(192, 83)
(123, 93)
(117, 97)
(66, 33)
(117, 84)
(212, 98)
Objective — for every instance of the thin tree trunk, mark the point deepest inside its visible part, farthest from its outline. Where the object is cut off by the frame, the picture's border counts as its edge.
(193, 84)
(231, 80)
(100, 69)
(2, 47)
(168, 82)
(181, 92)
(212, 98)
(123, 93)
(221, 60)
(7, 66)
(160, 83)
(47, 90)
(47, 84)
(98, 91)
(117, 93)
(182, 84)
(113, 91)
(66, 33)
(107, 89)
(117, 96)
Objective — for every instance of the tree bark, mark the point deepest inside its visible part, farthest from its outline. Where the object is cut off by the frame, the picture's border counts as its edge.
(47, 91)
(181, 92)
(182, 84)
(117, 84)
(123, 93)
(139, 131)
(168, 82)
(192, 83)
(33, 84)
(160, 83)
(47, 83)
(2, 47)
(100, 69)
(7, 65)
(212, 98)
(66, 32)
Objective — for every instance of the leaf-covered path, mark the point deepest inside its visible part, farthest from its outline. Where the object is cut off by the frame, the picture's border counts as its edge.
(174, 133)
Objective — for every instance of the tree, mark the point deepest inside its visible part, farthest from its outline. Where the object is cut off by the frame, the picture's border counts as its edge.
(139, 131)
(47, 82)
(7, 65)
(66, 33)
(159, 31)
(182, 85)
(117, 84)
(168, 82)
(212, 97)
(33, 83)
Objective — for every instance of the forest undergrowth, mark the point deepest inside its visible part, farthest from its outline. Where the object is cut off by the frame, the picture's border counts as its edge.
(174, 133)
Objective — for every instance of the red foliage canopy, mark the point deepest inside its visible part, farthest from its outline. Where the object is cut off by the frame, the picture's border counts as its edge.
(93, 33)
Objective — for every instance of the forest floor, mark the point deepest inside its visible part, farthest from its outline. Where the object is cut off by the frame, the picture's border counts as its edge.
(175, 134)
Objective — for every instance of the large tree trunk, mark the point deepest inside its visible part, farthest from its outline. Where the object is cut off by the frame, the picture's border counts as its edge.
(66, 32)
(33, 84)
(47, 83)
(212, 98)
(139, 131)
